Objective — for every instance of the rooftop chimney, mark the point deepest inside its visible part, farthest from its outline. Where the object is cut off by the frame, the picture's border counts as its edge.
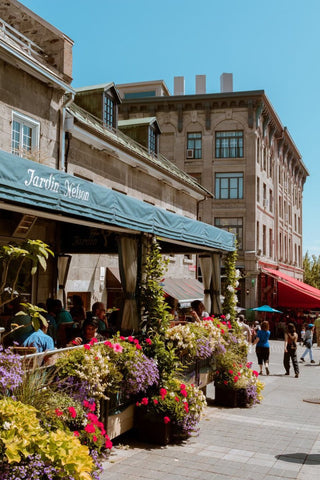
(178, 86)
(226, 83)
(200, 84)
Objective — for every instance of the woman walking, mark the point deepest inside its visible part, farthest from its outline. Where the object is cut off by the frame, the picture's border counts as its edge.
(308, 341)
(290, 350)
(263, 346)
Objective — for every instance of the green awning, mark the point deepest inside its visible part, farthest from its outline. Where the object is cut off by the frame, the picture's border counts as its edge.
(35, 185)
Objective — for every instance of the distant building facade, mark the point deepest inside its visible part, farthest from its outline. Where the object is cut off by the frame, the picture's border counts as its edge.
(234, 144)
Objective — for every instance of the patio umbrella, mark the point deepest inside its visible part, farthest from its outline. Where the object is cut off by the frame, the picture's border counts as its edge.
(265, 308)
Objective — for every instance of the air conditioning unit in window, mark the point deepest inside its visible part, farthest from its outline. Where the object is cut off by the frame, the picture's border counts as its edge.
(190, 153)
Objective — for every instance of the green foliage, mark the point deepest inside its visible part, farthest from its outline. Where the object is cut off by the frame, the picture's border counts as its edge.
(230, 297)
(21, 435)
(35, 313)
(311, 267)
(13, 258)
(155, 309)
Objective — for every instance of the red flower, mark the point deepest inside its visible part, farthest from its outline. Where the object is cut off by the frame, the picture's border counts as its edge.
(182, 386)
(222, 331)
(108, 344)
(130, 339)
(93, 418)
(94, 438)
(87, 346)
(135, 340)
(184, 393)
(235, 379)
(163, 392)
(223, 316)
(144, 401)
(137, 404)
(225, 382)
(186, 407)
(93, 340)
(122, 338)
(76, 433)
(155, 401)
(72, 412)
(255, 373)
(177, 399)
(148, 341)
(166, 419)
(231, 372)
(108, 444)
(90, 428)
(138, 346)
(58, 412)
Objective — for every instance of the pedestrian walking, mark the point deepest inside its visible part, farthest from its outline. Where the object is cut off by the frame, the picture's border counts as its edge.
(308, 341)
(290, 349)
(302, 333)
(263, 346)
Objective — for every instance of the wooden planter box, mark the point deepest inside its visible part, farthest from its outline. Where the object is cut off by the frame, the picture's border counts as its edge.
(150, 429)
(121, 422)
(228, 397)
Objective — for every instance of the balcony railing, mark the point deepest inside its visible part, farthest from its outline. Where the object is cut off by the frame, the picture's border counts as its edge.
(17, 38)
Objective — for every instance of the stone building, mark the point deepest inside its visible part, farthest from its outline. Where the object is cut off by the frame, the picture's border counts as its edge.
(70, 177)
(235, 145)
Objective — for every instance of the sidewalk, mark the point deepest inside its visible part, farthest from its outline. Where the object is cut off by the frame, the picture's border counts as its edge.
(275, 440)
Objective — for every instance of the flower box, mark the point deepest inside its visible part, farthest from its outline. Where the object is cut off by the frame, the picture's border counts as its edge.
(121, 422)
(230, 397)
(151, 429)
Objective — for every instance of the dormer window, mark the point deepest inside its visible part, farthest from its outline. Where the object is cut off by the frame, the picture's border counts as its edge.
(153, 139)
(109, 114)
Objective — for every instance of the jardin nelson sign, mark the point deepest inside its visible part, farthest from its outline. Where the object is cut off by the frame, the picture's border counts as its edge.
(68, 188)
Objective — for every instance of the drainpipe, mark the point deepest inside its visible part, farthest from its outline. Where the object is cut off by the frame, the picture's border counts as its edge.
(68, 100)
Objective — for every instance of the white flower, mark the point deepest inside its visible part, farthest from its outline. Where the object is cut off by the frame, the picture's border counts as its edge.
(6, 425)
(230, 288)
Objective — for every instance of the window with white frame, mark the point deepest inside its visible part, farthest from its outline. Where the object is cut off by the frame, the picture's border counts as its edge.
(25, 134)
(194, 144)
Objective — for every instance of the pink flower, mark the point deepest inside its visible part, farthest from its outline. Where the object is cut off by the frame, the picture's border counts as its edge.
(231, 372)
(92, 406)
(137, 404)
(182, 386)
(166, 419)
(93, 340)
(135, 340)
(76, 433)
(117, 347)
(148, 341)
(184, 393)
(108, 344)
(255, 373)
(87, 346)
(222, 316)
(130, 339)
(138, 346)
(122, 338)
(90, 428)
(72, 412)
(222, 331)
(155, 401)
(96, 358)
(58, 412)
(86, 403)
(235, 379)
(94, 438)
(177, 399)
(186, 407)
(93, 418)
(145, 401)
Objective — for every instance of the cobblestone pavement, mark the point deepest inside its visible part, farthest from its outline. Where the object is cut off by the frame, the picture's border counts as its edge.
(279, 439)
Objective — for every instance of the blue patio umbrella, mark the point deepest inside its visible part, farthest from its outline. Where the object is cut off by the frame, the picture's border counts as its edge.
(265, 308)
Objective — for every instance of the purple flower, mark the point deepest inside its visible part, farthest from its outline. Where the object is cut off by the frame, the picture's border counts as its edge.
(11, 371)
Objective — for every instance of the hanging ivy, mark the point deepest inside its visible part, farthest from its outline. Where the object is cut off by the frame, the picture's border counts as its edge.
(232, 275)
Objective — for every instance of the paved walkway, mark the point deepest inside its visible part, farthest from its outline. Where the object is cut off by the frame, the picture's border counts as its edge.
(279, 439)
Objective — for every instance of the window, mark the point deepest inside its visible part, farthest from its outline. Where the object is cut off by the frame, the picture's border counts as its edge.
(229, 185)
(264, 240)
(152, 139)
(270, 201)
(194, 142)
(233, 225)
(258, 189)
(109, 114)
(229, 144)
(25, 134)
(270, 242)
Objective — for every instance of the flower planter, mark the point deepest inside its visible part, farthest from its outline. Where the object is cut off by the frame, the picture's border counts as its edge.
(152, 429)
(228, 397)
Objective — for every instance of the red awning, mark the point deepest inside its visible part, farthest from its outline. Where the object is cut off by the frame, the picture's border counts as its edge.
(294, 293)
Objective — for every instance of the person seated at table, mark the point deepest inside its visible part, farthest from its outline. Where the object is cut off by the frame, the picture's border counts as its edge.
(198, 311)
(99, 311)
(77, 310)
(89, 331)
(62, 315)
(20, 329)
(39, 339)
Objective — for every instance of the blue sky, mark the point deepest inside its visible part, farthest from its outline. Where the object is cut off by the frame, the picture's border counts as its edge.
(271, 46)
